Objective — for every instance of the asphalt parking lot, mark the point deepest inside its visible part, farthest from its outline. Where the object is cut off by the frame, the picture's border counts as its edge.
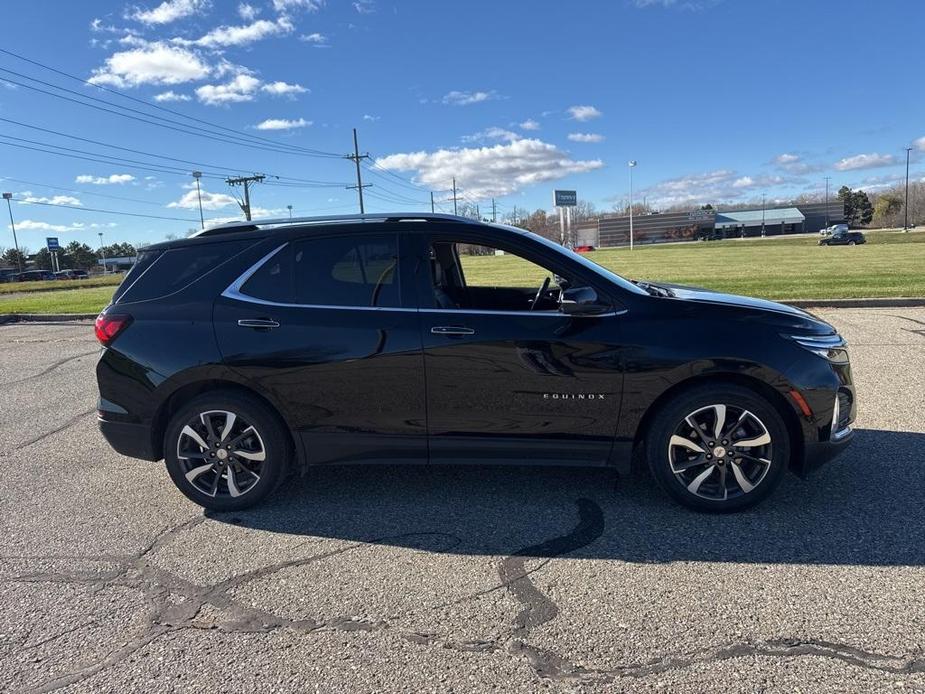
(456, 579)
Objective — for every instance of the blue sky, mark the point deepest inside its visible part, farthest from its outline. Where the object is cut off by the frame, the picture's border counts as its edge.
(718, 100)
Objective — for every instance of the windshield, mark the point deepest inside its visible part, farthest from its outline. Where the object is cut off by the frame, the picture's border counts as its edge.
(579, 258)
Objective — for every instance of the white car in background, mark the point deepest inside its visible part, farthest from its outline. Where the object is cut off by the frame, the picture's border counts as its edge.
(835, 229)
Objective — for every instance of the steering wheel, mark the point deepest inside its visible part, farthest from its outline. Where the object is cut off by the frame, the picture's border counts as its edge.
(542, 290)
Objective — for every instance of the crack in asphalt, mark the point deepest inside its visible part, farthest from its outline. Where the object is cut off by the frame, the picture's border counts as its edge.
(175, 604)
(41, 437)
(48, 369)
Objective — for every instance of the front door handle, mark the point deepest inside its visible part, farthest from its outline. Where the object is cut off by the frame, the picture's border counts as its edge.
(264, 323)
(451, 330)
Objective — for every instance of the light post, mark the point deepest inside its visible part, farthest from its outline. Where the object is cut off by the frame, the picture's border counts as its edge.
(197, 175)
(102, 252)
(826, 202)
(632, 165)
(762, 213)
(289, 207)
(906, 206)
(8, 197)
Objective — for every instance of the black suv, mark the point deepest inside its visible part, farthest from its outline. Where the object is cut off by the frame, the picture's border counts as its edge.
(258, 348)
(843, 238)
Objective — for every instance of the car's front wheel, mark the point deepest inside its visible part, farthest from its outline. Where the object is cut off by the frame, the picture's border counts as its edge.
(226, 450)
(718, 448)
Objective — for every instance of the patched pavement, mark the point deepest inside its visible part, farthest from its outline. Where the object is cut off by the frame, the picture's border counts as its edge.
(456, 579)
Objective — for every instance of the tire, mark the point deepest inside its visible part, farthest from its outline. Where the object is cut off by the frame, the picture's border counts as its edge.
(852, 243)
(246, 466)
(728, 478)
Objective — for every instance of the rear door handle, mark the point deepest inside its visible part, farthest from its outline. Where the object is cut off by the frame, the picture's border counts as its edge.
(258, 323)
(451, 330)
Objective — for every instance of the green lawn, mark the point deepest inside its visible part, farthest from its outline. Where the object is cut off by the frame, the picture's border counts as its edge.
(890, 264)
(60, 285)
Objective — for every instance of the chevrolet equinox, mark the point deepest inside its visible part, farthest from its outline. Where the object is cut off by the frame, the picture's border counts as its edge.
(257, 348)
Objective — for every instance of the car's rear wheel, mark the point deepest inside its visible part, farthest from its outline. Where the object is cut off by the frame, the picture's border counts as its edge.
(718, 448)
(852, 243)
(226, 450)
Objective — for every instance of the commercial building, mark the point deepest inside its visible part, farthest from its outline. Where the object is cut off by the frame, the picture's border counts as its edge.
(613, 230)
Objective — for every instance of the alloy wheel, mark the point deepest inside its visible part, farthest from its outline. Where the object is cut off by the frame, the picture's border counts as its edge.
(720, 452)
(221, 454)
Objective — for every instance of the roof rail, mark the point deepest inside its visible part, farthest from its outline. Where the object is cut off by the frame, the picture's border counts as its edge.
(251, 225)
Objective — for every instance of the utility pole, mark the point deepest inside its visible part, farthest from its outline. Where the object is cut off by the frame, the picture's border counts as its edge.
(102, 251)
(827, 202)
(245, 181)
(7, 197)
(454, 196)
(355, 158)
(632, 165)
(478, 215)
(906, 206)
(762, 213)
(197, 175)
(494, 212)
(289, 207)
(432, 209)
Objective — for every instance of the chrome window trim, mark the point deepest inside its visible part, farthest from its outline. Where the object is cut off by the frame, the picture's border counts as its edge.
(233, 291)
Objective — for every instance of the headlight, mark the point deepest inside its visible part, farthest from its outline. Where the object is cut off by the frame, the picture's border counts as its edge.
(831, 347)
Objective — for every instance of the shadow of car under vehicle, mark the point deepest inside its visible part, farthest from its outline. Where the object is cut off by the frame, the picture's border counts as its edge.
(863, 509)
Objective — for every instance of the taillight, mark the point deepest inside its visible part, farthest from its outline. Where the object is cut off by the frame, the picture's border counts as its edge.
(108, 326)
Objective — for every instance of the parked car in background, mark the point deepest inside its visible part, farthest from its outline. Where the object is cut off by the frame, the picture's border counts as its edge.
(834, 229)
(34, 276)
(72, 275)
(843, 238)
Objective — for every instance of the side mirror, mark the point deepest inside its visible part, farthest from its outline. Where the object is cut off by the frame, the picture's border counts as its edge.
(581, 301)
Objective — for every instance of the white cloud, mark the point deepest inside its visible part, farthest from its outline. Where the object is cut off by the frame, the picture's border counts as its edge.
(786, 159)
(744, 182)
(241, 88)
(585, 137)
(282, 124)
(371, 119)
(864, 161)
(529, 124)
(458, 98)
(210, 201)
(31, 224)
(286, 5)
(490, 171)
(364, 6)
(170, 11)
(283, 88)
(315, 38)
(920, 144)
(493, 133)
(157, 63)
(53, 200)
(247, 12)
(583, 113)
(117, 179)
(242, 35)
(711, 186)
(171, 96)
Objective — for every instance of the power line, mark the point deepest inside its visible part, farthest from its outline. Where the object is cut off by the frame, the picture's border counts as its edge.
(81, 192)
(101, 211)
(237, 133)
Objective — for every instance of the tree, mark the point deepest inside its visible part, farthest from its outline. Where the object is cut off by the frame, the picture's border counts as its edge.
(42, 259)
(14, 258)
(858, 210)
(887, 209)
(80, 255)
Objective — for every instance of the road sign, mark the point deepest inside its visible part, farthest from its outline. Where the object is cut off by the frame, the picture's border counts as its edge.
(52, 243)
(565, 198)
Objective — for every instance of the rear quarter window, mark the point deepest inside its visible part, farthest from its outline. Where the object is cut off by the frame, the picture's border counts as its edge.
(168, 271)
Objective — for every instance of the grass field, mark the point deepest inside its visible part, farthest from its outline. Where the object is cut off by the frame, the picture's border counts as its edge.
(890, 264)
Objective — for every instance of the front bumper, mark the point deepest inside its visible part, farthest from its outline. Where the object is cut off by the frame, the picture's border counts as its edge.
(820, 452)
(127, 438)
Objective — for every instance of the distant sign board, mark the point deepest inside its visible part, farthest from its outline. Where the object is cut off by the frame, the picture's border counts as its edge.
(52, 243)
(565, 198)
(699, 215)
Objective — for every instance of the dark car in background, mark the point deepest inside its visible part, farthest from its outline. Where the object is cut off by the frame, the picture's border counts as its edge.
(843, 238)
(254, 349)
(34, 276)
(72, 275)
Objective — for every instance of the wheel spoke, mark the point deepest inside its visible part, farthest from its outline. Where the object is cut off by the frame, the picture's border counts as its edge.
(760, 440)
(722, 481)
(206, 419)
(214, 489)
(720, 422)
(198, 455)
(754, 459)
(688, 464)
(196, 471)
(741, 479)
(230, 418)
(193, 434)
(232, 482)
(242, 468)
(681, 441)
(258, 456)
(240, 437)
(699, 479)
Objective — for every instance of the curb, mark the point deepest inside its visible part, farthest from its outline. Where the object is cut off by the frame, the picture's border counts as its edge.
(44, 317)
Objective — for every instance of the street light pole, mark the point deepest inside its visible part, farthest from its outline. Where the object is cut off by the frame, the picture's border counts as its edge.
(197, 175)
(763, 196)
(906, 206)
(289, 207)
(826, 202)
(8, 197)
(632, 165)
(102, 252)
